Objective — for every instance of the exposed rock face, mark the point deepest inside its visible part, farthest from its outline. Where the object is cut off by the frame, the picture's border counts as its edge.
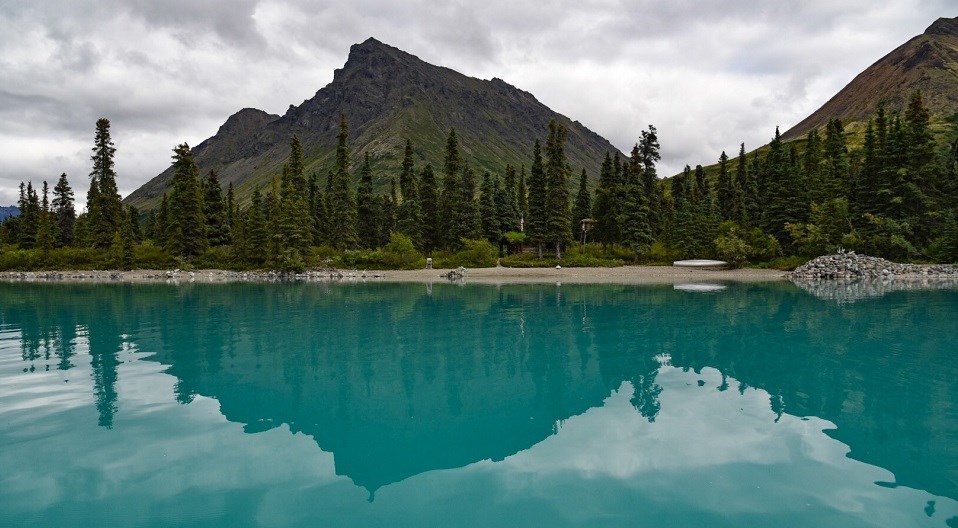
(928, 62)
(387, 96)
(849, 265)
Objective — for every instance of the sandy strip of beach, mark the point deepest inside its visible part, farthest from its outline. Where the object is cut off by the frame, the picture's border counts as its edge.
(497, 275)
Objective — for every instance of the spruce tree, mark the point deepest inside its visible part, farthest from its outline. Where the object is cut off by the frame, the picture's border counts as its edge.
(785, 195)
(835, 178)
(255, 227)
(451, 199)
(342, 211)
(487, 210)
(291, 231)
(367, 208)
(64, 210)
(106, 211)
(509, 212)
(134, 215)
(726, 189)
(606, 205)
(388, 214)
(636, 232)
(468, 218)
(813, 167)
(29, 219)
(230, 209)
(187, 225)
(47, 225)
(536, 227)
(522, 199)
(409, 210)
(217, 226)
(649, 152)
(432, 237)
(583, 204)
(558, 216)
(502, 199)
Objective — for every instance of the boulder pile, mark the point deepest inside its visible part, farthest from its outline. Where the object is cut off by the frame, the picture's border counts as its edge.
(849, 265)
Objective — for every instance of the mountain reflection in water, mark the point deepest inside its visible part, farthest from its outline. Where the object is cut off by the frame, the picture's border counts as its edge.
(396, 380)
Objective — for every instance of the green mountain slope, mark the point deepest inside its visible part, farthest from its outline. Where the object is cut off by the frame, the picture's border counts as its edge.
(927, 62)
(388, 96)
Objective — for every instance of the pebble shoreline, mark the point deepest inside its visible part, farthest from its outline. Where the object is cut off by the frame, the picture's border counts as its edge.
(850, 265)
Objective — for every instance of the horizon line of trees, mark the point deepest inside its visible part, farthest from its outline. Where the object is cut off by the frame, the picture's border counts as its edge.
(895, 197)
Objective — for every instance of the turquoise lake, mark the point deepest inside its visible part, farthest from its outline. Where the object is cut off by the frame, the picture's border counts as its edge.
(413, 405)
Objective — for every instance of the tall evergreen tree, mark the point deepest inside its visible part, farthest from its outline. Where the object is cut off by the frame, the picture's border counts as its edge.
(583, 204)
(217, 227)
(46, 231)
(509, 211)
(387, 217)
(409, 210)
(634, 212)
(105, 209)
(835, 178)
(291, 234)
(726, 189)
(342, 211)
(522, 199)
(649, 152)
(536, 228)
(813, 167)
(255, 228)
(558, 216)
(451, 199)
(230, 208)
(606, 205)
(136, 232)
(64, 210)
(502, 200)
(745, 179)
(432, 237)
(367, 208)
(487, 209)
(467, 217)
(187, 225)
(161, 229)
(784, 203)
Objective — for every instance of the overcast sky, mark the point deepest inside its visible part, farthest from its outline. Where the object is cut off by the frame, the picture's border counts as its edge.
(709, 75)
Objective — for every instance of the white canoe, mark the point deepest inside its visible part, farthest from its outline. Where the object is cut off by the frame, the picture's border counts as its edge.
(699, 287)
(699, 263)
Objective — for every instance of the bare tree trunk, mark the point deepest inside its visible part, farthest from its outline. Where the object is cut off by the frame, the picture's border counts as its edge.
(558, 252)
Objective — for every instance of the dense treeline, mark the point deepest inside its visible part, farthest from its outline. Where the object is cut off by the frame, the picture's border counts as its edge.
(895, 196)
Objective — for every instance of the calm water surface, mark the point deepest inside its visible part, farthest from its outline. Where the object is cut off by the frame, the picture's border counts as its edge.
(446, 405)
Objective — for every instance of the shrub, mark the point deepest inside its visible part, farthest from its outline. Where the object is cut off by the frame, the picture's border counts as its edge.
(400, 253)
(475, 254)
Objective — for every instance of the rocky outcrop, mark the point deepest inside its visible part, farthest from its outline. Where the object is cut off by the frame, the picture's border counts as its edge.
(850, 265)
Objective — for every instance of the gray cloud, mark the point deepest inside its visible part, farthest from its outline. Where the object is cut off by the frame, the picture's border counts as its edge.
(708, 75)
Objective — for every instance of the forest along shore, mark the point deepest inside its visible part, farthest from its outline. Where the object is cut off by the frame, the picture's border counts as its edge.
(496, 275)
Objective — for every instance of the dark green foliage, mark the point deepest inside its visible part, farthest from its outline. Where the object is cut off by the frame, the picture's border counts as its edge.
(522, 198)
(217, 225)
(727, 190)
(606, 209)
(136, 232)
(835, 178)
(508, 206)
(387, 217)
(558, 216)
(186, 231)
(451, 199)
(537, 215)
(368, 208)
(290, 220)
(162, 224)
(582, 209)
(103, 200)
(784, 192)
(341, 210)
(487, 210)
(467, 222)
(409, 209)
(254, 231)
(634, 211)
(429, 199)
(47, 234)
(745, 180)
(64, 210)
(502, 204)
(649, 155)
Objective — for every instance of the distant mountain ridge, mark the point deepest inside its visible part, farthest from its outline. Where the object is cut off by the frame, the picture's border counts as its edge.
(927, 62)
(7, 212)
(387, 95)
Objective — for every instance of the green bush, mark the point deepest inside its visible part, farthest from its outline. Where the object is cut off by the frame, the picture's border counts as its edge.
(148, 256)
(475, 254)
(732, 249)
(400, 253)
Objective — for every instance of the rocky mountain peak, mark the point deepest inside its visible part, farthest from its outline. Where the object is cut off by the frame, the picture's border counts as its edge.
(943, 26)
